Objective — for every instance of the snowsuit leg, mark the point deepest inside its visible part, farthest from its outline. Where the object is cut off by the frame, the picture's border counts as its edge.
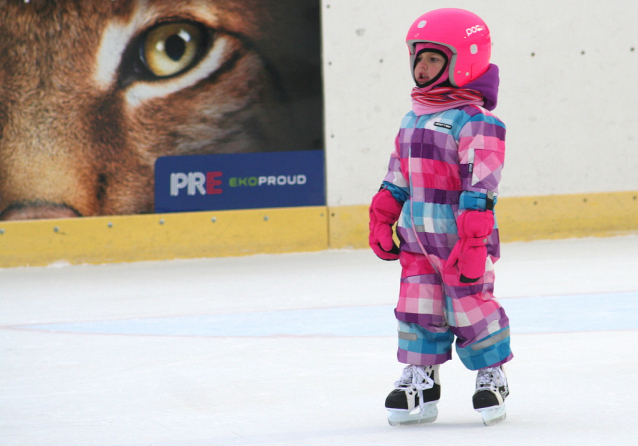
(435, 308)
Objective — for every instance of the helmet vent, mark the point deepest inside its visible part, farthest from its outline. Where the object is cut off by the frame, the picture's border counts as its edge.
(422, 23)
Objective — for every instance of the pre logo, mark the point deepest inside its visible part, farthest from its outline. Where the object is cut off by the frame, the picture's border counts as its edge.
(474, 29)
(195, 182)
(205, 183)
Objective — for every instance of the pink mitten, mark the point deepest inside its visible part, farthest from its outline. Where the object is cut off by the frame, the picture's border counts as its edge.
(470, 253)
(384, 212)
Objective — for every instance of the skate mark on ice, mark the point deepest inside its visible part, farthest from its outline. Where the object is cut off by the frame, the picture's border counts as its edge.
(542, 314)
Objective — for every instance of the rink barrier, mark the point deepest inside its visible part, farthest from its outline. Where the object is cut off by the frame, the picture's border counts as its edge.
(131, 238)
(522, 218)
(114, 239)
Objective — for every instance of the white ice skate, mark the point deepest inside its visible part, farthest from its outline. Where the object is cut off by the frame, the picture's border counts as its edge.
(491, 391)
(413, 401)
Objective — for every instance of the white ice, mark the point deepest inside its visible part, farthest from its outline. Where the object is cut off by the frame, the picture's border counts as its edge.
(300, 349)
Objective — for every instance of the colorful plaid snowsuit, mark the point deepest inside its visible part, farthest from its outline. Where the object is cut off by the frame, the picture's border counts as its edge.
(443, 164)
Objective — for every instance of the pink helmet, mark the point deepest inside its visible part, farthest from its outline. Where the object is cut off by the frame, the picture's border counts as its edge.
(463, 32)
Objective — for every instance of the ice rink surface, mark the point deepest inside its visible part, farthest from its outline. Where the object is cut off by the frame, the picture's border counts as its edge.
(300, 349)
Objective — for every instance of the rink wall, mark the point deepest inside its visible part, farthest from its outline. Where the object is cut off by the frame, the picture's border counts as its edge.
(162, 236)
(236, 233)
(566, 96)
(523, 218)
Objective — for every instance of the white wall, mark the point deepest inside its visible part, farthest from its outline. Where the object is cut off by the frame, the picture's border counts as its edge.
(570, 110)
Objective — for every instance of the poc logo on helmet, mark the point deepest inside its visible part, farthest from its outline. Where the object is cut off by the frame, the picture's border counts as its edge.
(473, 30)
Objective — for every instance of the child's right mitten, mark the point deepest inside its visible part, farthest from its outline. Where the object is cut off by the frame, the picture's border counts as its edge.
(384, 212)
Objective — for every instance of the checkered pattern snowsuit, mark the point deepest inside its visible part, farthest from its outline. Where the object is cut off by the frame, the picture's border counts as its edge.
(443, 164)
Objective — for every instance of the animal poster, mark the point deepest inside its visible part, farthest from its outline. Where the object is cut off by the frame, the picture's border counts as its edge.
(94, 92)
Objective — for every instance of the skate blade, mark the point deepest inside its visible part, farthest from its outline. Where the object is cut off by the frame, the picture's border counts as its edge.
(406, 418)
(493, 415)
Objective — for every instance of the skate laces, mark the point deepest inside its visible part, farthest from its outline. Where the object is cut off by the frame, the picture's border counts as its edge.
(415, 377)
(490, 378)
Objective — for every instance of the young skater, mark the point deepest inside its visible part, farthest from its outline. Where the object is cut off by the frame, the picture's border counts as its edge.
(441, 189)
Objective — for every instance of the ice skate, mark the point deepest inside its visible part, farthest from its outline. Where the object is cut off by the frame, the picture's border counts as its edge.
(413, 401)
(491, 391)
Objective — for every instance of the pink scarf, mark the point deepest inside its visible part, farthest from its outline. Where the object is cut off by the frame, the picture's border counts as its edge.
(443, 98)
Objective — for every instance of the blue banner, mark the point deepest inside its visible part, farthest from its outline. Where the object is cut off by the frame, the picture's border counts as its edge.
(239, 181)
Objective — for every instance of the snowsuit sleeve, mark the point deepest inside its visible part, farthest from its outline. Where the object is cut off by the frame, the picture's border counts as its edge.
(394, 180)
(481, 156)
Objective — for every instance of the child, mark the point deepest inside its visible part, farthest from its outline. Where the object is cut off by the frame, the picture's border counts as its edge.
(441, 188)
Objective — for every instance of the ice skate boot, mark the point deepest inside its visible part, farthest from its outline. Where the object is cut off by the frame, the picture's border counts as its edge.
(491, 391)
(413, 401)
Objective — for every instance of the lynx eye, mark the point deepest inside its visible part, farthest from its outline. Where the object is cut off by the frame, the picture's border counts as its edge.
(171, 48)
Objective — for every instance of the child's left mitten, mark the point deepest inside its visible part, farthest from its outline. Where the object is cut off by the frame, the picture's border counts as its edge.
(469, 254)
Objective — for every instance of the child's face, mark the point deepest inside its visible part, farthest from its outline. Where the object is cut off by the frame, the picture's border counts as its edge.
(428, 66)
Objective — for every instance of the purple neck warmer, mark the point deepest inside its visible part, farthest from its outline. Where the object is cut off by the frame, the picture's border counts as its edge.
(487, 85)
